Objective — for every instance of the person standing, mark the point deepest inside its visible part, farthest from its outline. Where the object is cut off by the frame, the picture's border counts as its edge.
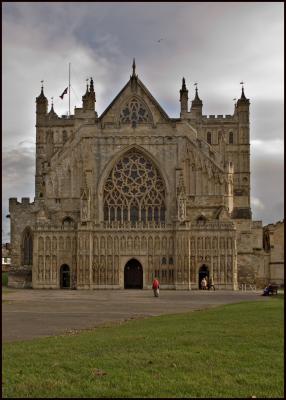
(155, 287)
(204, 284)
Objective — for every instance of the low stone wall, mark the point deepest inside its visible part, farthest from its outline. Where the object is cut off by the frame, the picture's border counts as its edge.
(20, 278)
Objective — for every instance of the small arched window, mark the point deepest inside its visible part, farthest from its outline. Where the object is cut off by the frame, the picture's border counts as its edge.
(230, 141)
(164, 261)
(68, 222)
(171, 261)
(27, 247)
(209, 138)
(201, 219)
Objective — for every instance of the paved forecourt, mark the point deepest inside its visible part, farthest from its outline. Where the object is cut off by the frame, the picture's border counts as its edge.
(27, 314)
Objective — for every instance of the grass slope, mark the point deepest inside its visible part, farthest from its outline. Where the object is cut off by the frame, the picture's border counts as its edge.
(230, 351)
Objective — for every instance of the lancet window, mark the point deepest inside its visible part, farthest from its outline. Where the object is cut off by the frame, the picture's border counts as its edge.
(134, 111)
(134, 191)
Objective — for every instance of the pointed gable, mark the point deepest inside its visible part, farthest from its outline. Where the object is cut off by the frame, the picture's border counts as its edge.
(134, 105)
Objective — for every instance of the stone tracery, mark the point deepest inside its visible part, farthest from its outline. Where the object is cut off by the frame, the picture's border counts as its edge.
(134, 111)
(134, 191)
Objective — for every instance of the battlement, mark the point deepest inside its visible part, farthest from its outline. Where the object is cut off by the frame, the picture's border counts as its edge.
(63, 121)
(256, 224)
(67, 117)
(25, 201)
(217, 117)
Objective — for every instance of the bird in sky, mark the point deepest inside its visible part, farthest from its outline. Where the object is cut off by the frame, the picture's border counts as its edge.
(158, 41)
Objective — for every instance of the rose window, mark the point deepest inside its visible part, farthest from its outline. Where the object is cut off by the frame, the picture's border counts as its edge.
(134, 111)
(134, 191)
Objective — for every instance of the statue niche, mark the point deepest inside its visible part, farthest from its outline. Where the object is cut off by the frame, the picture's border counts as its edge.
(85, 205)
(181, 200)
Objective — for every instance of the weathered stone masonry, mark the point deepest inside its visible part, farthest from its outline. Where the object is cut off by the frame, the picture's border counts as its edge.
(171, 194)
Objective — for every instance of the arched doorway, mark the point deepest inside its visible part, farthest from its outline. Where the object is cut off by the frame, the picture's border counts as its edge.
(65, 281)
(203, 273)
(133, 275)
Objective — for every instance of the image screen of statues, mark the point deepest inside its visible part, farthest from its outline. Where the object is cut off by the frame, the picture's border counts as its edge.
(134, 191)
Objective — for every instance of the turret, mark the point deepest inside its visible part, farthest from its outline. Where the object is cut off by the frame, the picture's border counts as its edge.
(41, 105)
(242, 107)
(184, 99)
(242, 112)
(243, 100)
(52, 114)
(88, 99)
(242, 182)
(197, 105)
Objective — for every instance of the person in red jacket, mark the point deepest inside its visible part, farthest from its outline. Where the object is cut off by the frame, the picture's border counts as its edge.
(155, 287)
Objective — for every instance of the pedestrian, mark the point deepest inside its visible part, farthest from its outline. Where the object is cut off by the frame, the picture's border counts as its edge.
(211, 285)
(155, 287)
(267, 290)
(207, 283)
(203, 283)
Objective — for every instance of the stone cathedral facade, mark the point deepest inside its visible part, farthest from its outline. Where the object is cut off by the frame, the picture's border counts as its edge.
(132, 194)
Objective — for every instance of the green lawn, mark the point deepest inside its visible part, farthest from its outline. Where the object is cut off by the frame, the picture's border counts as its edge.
(230, 351)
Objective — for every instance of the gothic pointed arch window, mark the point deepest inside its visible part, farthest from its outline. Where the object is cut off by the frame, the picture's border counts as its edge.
(134, 191)
(27, 247)
(135, 111)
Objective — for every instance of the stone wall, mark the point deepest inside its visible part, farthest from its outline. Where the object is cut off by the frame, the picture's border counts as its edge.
(206, 202)
(20, 278)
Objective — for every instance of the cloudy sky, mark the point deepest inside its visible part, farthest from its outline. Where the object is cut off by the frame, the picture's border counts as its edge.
(215, 44)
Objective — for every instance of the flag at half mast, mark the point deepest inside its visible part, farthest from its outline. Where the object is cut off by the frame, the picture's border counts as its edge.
(64, 92)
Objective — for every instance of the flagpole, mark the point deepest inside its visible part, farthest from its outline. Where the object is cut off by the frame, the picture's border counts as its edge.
(69, 89)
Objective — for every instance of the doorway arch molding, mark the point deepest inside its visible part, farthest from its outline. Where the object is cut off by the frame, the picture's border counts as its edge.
(143, 260)
(65, 276)
(203, 271)
(133, 274)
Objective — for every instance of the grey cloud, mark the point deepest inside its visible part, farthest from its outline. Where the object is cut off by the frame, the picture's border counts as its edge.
(215, 44)
(18, 169)
(268, 186)
(267, 120)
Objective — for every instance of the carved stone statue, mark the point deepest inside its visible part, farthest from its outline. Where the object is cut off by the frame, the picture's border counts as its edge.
(181, 200)
(84, 210)
(182, 209)
(85, 206)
